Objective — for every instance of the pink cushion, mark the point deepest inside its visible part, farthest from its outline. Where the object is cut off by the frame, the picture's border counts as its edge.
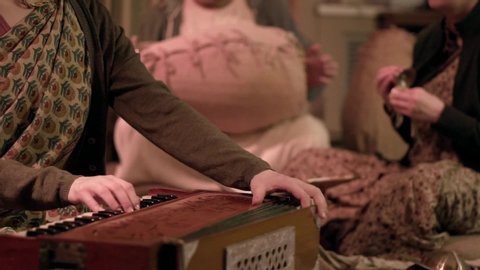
(241, 79)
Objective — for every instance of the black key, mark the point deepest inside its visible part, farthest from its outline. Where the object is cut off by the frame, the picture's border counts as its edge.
(34, 223)
(103, 214)
(146, 203)
(32, 233)
(58, 228)
(66, 226)
(164, 197)
(81, 221)
(156, 201)
(88, 219)
(53, 230)
(44, 231)
(73, 224)
(111, 212)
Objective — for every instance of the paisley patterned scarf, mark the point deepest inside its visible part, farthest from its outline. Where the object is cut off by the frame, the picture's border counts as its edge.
(45, 90)
(45, 86)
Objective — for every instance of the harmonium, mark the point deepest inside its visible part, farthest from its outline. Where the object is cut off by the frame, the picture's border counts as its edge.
(174, 230)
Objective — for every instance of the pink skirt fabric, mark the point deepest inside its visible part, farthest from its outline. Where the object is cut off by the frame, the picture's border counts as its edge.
(392, 211)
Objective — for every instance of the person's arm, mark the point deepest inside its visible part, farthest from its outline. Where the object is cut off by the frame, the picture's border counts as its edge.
(22, 187)
(149, 107)
(386, 82)
(461, 128)
(174, 127)
(418, 104)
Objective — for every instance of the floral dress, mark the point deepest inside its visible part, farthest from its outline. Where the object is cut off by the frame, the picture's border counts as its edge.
(392, 211)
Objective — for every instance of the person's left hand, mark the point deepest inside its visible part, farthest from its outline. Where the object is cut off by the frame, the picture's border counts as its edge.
(268, 181)
(417, 104)
(93, 191)
(321, 68)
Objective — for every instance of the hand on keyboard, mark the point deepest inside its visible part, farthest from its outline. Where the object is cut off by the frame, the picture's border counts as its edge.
(94, 191)
(268, 181)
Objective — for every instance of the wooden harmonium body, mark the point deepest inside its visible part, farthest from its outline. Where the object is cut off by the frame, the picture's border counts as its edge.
(174, 230)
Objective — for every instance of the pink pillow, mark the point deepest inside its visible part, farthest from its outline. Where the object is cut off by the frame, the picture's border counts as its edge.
(242, 79)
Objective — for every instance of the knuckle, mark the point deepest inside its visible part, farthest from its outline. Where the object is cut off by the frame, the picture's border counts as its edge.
(125, 204)
(102, 191)
(117, 183)
(129, 186)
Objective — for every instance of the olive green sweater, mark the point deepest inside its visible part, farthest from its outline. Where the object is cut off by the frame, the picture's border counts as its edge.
(122, 82)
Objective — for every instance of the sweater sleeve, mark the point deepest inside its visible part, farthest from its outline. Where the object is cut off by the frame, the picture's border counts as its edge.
(462, 129)
(22, 187)
(149, 107)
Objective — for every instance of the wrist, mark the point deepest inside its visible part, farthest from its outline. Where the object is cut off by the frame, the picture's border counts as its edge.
(438, 112)
(65, 186)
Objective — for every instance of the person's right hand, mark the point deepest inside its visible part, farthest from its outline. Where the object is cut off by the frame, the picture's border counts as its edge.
(269, 181)
(94, 191)
(386, 80)
(321, 67)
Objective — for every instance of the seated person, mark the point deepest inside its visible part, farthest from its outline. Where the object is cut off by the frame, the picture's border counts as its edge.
(407, 211)
(171, 18)
(60, 72)
(249, 80)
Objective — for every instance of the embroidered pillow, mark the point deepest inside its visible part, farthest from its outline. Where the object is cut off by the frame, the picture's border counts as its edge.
(241, 78)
